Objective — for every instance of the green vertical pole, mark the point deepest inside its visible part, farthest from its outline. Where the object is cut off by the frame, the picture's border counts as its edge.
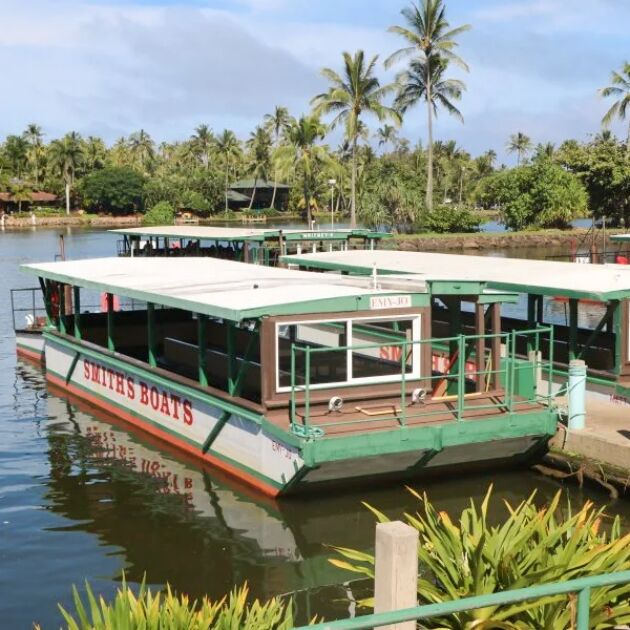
(512, 364)
(45, 285)
(151, 345)
(531, 317)
(461, 376)
(403, 384)
(110, 322)
(584, 609)
(62, 307)
(292, 384)
(77, 312)
(202, 341)
(307, 384)
(231, 357)
(573, 328)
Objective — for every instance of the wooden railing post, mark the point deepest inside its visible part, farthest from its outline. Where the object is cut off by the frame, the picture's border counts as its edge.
(396, 570)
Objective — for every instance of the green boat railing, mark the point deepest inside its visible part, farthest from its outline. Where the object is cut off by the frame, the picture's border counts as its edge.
(580, 586)
(517, 378)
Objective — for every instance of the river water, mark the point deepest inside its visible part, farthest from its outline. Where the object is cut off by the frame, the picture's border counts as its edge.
(82, 497)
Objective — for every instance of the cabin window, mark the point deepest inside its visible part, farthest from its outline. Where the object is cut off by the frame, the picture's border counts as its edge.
(348, 352)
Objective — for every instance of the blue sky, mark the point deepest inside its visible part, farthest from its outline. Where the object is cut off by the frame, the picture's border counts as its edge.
(110, 67)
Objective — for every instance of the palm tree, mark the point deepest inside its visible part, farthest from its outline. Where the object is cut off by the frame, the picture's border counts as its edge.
(387, 134)
(66, 155)
(142, 149)
(230, 148)
(520, 144)
(545, 151)
(259, 144)
(429, 36)
(277, 124)
(358, 91)
(20, 192)
(95, 153)
(303, 153)
(202, 140)
(620, 89)
(15, 150)
(119, 153)
(35, 153)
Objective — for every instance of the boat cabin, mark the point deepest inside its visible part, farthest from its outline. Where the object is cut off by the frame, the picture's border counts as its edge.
(291, 379)
(259, 246)
(586, 304)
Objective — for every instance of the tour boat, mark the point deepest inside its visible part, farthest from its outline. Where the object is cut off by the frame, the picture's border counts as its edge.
(292, 380)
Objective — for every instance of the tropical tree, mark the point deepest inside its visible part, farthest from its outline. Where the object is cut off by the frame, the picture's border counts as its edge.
(423, 80)
(15, 151)
(276, 124)
(142, 149)
(66, 155)
(259, 144)
(230, 148)
(520, 144)
(387, 134)
(305, 154)
(430, 41)
(95, 153)
(20, 192)
(202, 141)
(36, 151)
(619, 89)
(354, 92)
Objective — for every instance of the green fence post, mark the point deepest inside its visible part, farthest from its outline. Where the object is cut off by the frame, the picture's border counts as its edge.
(231, 352)
(307, 384)
(461, 376)
(512, 364)
(584, 608)
(550, 375)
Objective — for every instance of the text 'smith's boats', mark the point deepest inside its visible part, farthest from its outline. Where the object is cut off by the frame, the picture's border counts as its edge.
(293, 380)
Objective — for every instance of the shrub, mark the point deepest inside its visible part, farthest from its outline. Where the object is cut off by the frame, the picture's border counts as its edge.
(532, 546)
(161, 213)
(116, 190)
(146, 610)
(451, 219)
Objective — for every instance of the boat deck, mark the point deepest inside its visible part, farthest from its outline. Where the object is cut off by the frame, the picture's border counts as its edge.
(385, 414)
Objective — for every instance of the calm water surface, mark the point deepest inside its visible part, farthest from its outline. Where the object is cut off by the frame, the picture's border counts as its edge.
(82, 497)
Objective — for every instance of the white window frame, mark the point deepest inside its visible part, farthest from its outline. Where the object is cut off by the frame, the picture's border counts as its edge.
(416, 354)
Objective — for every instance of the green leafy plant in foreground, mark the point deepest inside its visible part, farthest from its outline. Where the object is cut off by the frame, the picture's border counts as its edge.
(531, 546)
(146, 610)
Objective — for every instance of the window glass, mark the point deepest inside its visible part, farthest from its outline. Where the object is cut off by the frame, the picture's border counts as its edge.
(384, 355)
(326, 366)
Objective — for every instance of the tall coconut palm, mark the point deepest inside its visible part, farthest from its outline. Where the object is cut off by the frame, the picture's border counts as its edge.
(142, 149)
(230, 148)
(16, 150)
(428, 35)
(424, 81)
(277, 124)
(520, 144)
(619, 89)
(259, 145)
(95, 153)
(66, 155)
(304, 153)
(387, 134)
(119, 153)
(36, 152)
(355, 92)
(203, 140)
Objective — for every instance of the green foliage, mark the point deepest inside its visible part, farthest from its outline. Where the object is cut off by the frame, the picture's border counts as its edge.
(156, 611)
(533, 545)
(540, 195)
(115, 190)
(161, 213)
(451, 218)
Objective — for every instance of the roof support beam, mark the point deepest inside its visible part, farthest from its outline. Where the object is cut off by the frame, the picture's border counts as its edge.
(151, 340)
(573, 328)
(111, 345)
(202, 342)
(77, 312)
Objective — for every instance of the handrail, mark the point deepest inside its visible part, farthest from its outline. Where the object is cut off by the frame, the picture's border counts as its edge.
(581, 586)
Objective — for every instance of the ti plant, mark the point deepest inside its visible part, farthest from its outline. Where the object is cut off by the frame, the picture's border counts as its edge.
(158, 611)
(531, 546)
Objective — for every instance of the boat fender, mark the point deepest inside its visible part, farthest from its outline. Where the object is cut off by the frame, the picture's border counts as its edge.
(335, 404)
(418, 395)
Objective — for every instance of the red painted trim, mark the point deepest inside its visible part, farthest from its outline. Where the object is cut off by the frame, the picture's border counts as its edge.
(164, 436)
(30, 355)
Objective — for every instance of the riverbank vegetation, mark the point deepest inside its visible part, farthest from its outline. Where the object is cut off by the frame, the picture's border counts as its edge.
(375, 176)
(475, 554)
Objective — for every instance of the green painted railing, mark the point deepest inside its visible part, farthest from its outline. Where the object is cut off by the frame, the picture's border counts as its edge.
(581, 586)
(458, 380)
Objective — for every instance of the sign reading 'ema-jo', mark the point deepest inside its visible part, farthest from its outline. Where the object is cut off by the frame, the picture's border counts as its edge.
(378, 302)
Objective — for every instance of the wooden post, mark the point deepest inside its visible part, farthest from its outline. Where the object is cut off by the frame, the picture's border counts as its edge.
(480, 346)
(396, 570)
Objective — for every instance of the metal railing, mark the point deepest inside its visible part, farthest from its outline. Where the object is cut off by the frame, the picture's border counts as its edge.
(507, 387)
(580, 586)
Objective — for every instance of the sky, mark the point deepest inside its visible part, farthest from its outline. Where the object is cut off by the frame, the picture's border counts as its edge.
(111, 67)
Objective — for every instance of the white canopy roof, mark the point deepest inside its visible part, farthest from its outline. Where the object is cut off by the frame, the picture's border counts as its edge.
(222, 288)
(543, 277)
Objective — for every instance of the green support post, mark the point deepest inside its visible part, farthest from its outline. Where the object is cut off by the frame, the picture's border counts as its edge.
(461, 376)
(293, 405)
(110, 322)
(584, 608)
(403, 384)
(202, 342)
(77, 312)
(231, 357)
(573, 328)
(531, 317)
(307, 384)
(151, 345)
(62, 308)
